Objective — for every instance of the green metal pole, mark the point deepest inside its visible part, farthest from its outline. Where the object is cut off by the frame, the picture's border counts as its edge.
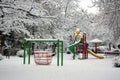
(29, 52)
(24, 51)
(62, 53)
(58, 52)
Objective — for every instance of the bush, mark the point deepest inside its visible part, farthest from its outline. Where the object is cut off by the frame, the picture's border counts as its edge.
(116, 61)
(20, 53)
(1, 57)
(118, 46)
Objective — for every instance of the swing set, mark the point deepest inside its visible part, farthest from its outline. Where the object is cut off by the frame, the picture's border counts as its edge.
(27, 44)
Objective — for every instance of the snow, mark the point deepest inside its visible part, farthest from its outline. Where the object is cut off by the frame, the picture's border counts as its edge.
(20, 53)
(89, 69)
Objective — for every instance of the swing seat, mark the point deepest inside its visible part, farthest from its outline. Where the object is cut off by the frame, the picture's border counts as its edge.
(43, 57)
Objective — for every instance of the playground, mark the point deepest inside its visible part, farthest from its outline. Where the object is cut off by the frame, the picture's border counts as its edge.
(92, 68)
(80, 46)
(87, 65)
(59, 39)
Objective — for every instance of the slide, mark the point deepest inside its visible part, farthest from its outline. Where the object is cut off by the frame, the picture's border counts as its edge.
(72, 48)
(92, 53)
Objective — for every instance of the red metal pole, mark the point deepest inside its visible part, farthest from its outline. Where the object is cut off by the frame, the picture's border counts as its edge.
(96, 48)
(84, 54)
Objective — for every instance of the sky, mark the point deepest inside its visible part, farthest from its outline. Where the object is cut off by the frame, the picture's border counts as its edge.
(87, 5)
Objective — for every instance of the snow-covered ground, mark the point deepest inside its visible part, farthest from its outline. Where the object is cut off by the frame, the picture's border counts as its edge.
(89, 69)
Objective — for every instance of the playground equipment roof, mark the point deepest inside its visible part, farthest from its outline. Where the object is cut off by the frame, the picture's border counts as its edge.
(96, 41)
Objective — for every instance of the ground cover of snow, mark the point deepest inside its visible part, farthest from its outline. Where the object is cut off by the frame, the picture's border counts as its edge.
(89, 69)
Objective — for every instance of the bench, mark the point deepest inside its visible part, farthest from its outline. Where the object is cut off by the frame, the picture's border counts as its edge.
(112, 53)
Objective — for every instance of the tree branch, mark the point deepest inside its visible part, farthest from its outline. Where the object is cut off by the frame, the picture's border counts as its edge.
(66, 7)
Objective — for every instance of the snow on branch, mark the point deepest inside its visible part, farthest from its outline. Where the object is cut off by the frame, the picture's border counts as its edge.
(28, 11)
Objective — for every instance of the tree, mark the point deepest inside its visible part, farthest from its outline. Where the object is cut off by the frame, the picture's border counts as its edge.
(110, 12)
(20, 16)
(16, 15)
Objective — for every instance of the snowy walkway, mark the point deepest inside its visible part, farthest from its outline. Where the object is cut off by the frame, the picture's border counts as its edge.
(90, 69)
